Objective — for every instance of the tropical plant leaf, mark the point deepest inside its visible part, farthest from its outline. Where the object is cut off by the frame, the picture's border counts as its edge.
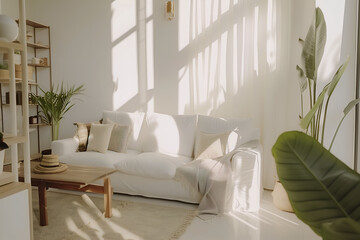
(346, 110)
(350, 106)
(314, 45)
(303, 83)
(55, 103)
(301, 41)
(343, 228)
(320, 187)
(304, 123)
(337, 77)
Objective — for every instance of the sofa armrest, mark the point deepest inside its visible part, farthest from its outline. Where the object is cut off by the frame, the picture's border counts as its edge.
(246, 179)
(64, 146)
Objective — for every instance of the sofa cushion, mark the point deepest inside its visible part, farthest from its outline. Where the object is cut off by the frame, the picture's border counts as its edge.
(210, 145)
(82, 134)
(169, 134)
(135, 120)
(96, 159)
(243, 130)
(119, 138)
(99, 137)
(151, 164)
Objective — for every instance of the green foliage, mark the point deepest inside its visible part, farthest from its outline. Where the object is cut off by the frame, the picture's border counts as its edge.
(54, 104)
(3, 66)
(314, 121)
(323, 191)
(343, 228)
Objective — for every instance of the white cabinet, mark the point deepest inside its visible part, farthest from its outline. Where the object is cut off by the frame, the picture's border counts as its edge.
(15, 212)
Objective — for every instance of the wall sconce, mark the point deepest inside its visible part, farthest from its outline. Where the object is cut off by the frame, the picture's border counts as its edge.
(169, 10)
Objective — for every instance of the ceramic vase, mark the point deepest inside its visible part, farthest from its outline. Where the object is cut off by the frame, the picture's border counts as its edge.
(280, 198)
(9, 29)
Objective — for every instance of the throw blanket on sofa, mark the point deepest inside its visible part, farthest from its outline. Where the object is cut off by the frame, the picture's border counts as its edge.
(213, 179)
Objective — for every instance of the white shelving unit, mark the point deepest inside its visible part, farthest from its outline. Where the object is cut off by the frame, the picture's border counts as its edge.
(15, 197)
(16, 211)
(23, 137)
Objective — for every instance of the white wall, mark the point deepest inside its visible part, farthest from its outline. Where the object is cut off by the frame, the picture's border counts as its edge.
(341, 20)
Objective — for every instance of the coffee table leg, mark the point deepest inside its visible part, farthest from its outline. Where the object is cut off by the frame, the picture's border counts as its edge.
(107, 197)
(42, 204)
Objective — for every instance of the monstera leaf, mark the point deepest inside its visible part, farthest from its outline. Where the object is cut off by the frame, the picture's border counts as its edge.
(343, 228)
(323, 191)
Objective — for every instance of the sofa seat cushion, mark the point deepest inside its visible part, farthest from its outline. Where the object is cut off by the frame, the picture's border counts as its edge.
(96, 159)
(151, 164)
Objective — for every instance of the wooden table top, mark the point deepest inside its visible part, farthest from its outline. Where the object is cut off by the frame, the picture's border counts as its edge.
(82, 175)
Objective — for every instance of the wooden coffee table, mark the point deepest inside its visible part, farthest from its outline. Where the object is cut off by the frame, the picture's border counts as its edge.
(77, 178)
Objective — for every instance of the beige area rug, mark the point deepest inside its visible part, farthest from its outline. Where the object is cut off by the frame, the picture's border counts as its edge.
(81, 217)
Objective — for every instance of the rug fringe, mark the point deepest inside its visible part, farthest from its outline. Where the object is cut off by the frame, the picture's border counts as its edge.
(182, 228)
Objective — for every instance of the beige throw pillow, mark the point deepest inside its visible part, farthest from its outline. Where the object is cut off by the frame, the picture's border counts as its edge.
(82, 134)
(209, 145)
(119, 138)
(99, 137)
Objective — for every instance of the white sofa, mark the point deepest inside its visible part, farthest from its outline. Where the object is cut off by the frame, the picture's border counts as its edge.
(158, 144)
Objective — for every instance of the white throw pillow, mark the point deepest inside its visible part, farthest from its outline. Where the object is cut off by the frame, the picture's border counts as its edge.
(170, 134)
(119, 138)
(210, 145)
(99, 137)
(243, 130)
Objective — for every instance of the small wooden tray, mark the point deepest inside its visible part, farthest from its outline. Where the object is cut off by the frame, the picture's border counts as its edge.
(6, 177)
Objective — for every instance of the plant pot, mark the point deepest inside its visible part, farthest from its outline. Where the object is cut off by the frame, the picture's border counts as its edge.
(2, 157)
(280, 198)
(4, 73)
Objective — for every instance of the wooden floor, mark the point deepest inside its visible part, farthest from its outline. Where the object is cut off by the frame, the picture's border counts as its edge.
(269, 223)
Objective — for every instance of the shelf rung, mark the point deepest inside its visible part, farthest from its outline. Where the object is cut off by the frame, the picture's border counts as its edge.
(11, 45)
(37, 45)
(13, 140)
(6, 177)
(7, 161)
(17, 80)
(38, 124)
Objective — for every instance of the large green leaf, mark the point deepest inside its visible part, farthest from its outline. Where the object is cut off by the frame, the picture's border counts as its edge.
(320, 187)
(314, 45)
(337, 77)
(343, 228)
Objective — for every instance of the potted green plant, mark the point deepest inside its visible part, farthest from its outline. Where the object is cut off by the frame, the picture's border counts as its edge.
(54, 104)
(3, 146)
(314, 121)
(323, 191)
(314, 179)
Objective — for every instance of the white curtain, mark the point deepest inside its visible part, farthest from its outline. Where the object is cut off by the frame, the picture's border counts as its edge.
(241, 63)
